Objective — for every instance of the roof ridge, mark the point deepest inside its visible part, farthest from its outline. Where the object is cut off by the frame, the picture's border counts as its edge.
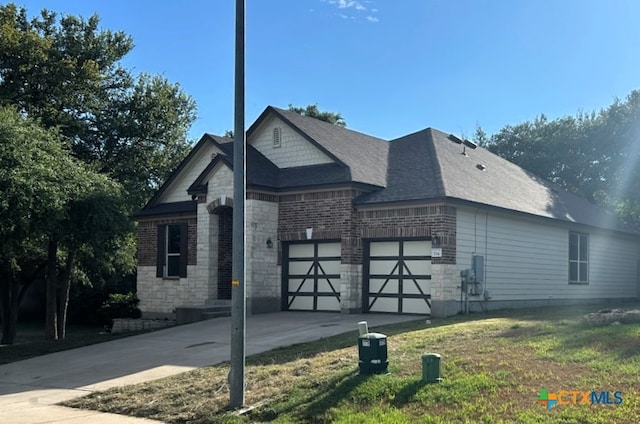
(434, 160)
(324, 123)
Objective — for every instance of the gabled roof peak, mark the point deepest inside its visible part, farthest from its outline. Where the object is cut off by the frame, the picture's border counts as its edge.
(364, 156)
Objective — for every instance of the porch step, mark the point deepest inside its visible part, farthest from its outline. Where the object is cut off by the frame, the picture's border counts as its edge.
(215, 309)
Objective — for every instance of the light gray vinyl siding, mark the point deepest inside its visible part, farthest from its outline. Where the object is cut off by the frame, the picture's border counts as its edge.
(528, 259)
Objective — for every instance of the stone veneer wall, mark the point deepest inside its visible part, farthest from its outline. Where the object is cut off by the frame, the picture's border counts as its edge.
(159, 296)
(261, 267)
(207, 242)
(294, 149)
(351, 288)
(285, 218)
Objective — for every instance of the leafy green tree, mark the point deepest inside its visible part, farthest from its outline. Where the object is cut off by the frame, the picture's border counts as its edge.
(33, 197)
(94, 221)
(108, 140)
(312, 111)
(66, 72)
(595, 155)
(49, 199)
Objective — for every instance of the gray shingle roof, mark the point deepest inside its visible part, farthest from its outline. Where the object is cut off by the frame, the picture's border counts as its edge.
(364, 155)
(412, 172)
(263, 173)
(175, 208)
(423, 166)
(427, 165)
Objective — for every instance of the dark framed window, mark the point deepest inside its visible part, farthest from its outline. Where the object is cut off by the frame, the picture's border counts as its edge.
(578, 258)
(172, 251)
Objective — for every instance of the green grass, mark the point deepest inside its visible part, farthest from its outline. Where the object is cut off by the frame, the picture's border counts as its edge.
(30, 341)
(493, 367)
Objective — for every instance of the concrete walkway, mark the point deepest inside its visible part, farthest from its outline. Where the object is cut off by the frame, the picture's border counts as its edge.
(30, 389)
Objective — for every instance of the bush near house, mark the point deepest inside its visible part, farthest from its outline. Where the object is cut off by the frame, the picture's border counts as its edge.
(120, 305)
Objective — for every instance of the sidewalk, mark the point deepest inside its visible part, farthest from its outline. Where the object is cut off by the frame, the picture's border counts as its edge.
(30, 389)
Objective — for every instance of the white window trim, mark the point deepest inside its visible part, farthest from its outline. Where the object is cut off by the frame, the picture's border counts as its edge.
(167, 255)
(578, 261)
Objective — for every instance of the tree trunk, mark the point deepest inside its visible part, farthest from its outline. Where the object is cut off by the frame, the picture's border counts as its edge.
(63, 296)
(8, 306)
(52, 280)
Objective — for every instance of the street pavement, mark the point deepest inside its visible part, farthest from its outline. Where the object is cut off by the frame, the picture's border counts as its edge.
(31, 389)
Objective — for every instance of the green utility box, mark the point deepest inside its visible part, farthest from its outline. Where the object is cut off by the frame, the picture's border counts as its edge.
(431, 368)
(372, 352)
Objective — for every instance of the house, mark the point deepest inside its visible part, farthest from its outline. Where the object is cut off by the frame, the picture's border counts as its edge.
(337, 220)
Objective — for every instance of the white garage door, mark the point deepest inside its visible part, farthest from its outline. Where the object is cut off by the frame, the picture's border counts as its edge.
(398, 276)
(311, 276)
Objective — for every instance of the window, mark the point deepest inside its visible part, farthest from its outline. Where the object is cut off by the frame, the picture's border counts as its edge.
(172, 251)
(578, 258)
(277, 138)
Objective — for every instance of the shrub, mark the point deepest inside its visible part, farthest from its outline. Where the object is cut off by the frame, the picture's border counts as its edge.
(119, 305)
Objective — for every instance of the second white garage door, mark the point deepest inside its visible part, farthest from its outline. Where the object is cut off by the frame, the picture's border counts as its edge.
(397, 276)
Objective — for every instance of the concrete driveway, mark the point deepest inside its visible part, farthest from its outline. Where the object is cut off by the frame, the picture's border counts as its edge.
(30, 389)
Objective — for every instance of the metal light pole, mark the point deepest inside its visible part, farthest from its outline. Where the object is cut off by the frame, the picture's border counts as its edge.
(238, 299)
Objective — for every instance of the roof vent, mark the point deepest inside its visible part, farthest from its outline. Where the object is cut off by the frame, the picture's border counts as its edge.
(470, 144)
(481, 167)
(454, 139)
(277, 137)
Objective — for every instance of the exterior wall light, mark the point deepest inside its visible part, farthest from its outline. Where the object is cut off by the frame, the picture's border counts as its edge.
(269, 243)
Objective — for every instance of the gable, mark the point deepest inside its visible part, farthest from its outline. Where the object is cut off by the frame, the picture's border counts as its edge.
(219, 181)
(294, 150)
(176, 191)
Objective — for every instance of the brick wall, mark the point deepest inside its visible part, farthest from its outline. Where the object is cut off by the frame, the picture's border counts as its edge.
(332, 216)
(148, 239)
(329, 213)
(424, 221)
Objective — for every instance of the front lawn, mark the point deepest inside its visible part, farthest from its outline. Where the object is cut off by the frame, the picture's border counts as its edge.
(494, 367)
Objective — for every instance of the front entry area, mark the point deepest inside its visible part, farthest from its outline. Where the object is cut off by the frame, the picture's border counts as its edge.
(397, 276)
(311, 276)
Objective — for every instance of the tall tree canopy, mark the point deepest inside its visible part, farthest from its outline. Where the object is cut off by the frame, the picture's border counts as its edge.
(66, 72)
(313, 112)
(84, 143)
(595, 155)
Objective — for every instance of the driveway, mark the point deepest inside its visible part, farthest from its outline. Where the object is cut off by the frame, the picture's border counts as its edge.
(30, 389)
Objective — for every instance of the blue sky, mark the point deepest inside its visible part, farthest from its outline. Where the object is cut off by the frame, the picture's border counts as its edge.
(390, 67)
